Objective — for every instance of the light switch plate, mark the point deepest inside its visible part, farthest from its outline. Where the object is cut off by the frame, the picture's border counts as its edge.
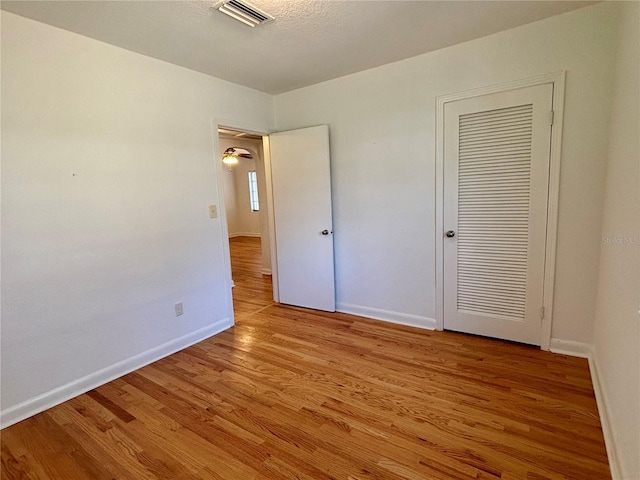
(213, 211)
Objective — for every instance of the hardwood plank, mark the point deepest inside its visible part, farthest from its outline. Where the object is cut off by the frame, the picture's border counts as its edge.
(289, 393)
(252, 290)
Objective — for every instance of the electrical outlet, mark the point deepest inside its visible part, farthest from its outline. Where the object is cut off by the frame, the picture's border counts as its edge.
(179, 310)
(213, 211)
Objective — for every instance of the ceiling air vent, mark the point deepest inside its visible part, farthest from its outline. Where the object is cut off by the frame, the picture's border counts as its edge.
(243, 12)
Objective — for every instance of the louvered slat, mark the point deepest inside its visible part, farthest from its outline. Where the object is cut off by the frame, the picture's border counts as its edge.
(494, 165)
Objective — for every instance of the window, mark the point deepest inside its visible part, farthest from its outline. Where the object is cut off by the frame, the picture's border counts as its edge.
(253, 191)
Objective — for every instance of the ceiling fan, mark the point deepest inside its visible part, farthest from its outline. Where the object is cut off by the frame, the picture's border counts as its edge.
(231, 155)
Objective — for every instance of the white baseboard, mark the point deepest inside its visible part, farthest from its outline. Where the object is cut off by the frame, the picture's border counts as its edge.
(574, 349)
(82, 385)
(265, 271)
(585, 350)
(605, 415)
(244, 234)
(388, 316)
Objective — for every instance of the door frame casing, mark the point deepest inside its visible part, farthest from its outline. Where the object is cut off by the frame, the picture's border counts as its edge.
(266, 153)
(558, 81)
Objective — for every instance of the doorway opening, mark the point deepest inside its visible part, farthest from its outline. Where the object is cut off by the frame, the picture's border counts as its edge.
(292, 178)
(244, 185)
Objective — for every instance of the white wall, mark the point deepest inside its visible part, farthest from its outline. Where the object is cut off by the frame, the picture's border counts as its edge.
(382, 124)
(617, 326)
(248, 220)
(109, 162)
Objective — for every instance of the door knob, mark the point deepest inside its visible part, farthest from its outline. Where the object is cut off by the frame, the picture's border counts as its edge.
(325, 232)
(450, 234)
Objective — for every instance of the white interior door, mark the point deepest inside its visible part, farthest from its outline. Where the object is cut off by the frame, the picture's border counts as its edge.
(496, 155)
(300, 174)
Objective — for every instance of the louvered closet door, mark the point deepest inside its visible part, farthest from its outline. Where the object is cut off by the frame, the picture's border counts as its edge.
(496, 155)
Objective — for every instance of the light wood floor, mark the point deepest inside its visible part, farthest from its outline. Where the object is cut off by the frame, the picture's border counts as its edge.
(296, 394)
(253, 291)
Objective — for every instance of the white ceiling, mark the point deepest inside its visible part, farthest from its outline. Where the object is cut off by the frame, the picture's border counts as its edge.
(310, 40)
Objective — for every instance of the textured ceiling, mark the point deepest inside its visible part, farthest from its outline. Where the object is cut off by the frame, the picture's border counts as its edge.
(310, 41)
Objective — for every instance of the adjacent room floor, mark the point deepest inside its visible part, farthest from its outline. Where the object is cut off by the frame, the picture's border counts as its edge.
(293, 393)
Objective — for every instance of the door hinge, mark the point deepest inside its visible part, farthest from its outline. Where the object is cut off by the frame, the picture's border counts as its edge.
(551, 116)
(542, 313)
